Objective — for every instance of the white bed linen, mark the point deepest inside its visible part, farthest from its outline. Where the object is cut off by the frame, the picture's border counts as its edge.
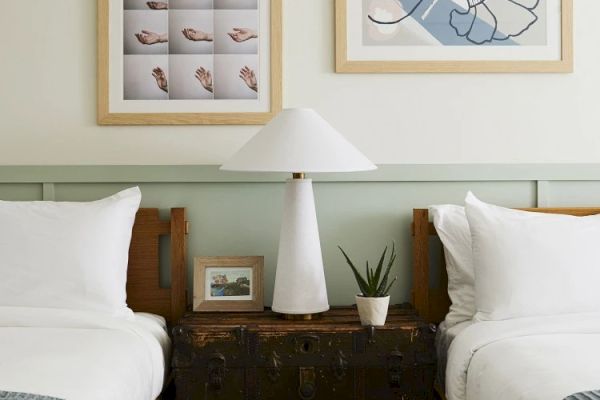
(443, 339)
(452, 226)
(537, 358)
(82, 355)
(71, 255)
(531, 264)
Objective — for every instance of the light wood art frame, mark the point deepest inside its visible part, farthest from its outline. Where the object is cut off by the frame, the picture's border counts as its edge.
(105, 117)
(144, 293)
(200, 266)
(433, 303)
(344, 65)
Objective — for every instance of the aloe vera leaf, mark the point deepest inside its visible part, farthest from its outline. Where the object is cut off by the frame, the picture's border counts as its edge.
(384, 281)
(379, 267)
(385, 293)
(364, 288)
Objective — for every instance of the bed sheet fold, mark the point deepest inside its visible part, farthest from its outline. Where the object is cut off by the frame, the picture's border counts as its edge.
(72, 354)
(541, 358)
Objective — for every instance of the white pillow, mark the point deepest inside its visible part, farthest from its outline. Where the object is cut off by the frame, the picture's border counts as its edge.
(65, 254)
(452, 227)
(533, 264)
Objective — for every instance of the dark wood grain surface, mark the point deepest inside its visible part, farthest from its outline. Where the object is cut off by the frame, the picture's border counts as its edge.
(262, 356)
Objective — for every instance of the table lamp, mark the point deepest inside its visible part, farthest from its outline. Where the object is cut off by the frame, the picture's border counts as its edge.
(299, 141)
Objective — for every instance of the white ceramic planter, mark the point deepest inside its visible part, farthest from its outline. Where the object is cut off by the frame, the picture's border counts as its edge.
(372, 310)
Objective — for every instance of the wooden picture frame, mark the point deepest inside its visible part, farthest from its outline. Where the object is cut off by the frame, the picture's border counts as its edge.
(229, 277)
(344, 64)
(115, 108)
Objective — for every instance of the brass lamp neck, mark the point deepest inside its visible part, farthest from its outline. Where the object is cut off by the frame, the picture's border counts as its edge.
(298, 175)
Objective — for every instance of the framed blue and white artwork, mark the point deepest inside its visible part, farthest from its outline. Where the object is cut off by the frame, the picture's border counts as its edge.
(454, 36)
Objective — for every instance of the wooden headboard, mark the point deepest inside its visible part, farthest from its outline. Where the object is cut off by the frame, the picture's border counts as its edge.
(433, 303)
(144, 293)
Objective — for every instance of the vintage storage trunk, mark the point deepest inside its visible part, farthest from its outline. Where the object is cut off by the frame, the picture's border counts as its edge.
(261, 356)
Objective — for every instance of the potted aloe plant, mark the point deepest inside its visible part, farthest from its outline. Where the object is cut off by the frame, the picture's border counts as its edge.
(374, 299)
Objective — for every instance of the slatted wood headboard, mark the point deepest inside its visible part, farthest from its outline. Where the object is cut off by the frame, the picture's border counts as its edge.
(433, 303)
(144, 293)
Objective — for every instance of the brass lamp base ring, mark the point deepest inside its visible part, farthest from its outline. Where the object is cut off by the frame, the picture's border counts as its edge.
(301, 317)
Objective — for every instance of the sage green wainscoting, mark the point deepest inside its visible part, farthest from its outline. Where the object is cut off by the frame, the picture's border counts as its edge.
(239, 214)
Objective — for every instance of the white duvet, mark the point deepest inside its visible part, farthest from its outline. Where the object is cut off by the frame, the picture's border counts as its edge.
(81, 355)
(541, 358)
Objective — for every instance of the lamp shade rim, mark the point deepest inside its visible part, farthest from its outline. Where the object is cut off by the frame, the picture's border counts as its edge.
(298, 140)
(308, 170)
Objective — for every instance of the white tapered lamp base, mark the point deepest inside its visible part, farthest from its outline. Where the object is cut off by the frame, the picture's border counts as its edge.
(300, 279)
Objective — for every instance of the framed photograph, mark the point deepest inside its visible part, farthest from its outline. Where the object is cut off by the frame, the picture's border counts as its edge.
(191, 62)
(228, 284)
(454, 36)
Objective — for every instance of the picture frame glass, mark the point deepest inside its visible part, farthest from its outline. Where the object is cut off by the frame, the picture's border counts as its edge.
(207, 74)
(454, 30)
(229, 284)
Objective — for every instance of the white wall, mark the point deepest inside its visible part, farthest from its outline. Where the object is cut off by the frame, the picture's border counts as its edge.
(48, 99)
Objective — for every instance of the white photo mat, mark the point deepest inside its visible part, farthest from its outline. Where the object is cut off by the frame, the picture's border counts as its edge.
(118, 104)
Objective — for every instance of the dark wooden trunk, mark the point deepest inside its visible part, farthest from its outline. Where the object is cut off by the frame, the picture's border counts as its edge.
(261, 356)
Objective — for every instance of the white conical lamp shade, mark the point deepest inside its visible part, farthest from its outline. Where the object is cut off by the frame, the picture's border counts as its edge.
(298, 140)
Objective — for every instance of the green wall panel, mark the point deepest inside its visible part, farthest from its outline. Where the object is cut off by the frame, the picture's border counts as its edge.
(365, 217)
(240, 218)
(20, 191)
(239, 214)
(574, 194)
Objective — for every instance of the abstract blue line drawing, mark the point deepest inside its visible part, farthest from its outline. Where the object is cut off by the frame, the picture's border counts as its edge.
(519, 17)
(410, 13)
(479, 22)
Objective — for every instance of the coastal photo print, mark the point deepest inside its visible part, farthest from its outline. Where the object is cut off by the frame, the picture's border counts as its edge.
(228, 283)
(454, 35)
(189, 61)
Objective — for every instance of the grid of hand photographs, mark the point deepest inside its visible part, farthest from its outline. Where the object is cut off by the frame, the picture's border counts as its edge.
(191, 50)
